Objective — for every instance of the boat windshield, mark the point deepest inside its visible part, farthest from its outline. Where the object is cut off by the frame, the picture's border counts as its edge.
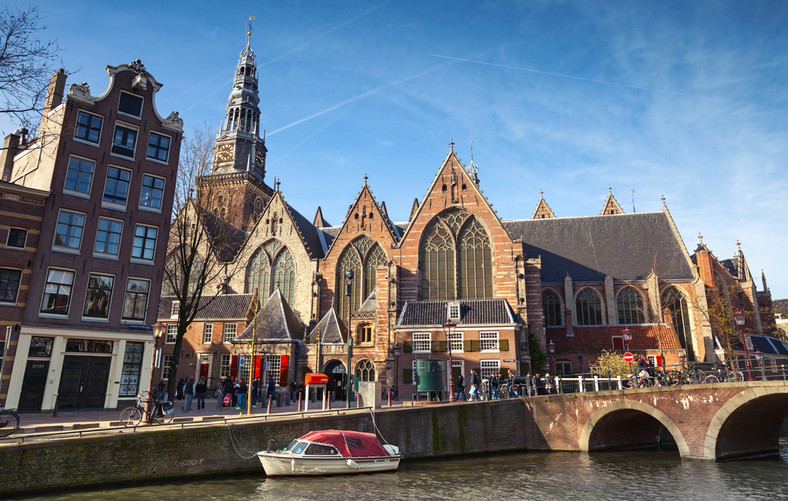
(295, 446)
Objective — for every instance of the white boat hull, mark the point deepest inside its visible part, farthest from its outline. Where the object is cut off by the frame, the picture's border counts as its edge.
(283, 463)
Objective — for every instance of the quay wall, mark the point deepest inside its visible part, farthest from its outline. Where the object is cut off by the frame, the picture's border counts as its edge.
(214, 449)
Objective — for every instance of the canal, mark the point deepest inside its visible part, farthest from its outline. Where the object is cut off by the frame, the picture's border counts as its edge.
(658, 475)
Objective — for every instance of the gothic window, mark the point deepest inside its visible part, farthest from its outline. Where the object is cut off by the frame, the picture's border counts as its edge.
(349, 260)
(365, 371)
(630, 307)
(589, 308)
(375, 259)
(676, 314)
(455, 258)
(551, 305)
(475, 262)
(272, 267)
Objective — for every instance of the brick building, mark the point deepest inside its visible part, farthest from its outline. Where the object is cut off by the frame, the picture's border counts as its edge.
(108, 164)
(568, 285)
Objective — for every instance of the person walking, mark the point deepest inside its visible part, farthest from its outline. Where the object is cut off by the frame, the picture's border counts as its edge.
(227, 389)
(199, 391)
(243, 389)
(188, 394)
(494, 382)
(255, 392)
(271, 393)
(475, 382)
(179, 389)
(461, 388)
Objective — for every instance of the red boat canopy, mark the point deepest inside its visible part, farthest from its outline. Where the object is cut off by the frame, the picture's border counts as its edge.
(351, 444)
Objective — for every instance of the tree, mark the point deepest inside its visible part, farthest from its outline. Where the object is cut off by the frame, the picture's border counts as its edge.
(203, 249)
(611, 364)
(538, 357)
(26, 63)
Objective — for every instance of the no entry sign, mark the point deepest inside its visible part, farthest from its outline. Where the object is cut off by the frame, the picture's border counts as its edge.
(628, 357)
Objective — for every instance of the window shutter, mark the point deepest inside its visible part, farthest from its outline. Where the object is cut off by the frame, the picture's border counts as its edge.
(473, 345)
(407, 376)
(407, 346)
(438, 346)
(234, 366)
(258, 367)
(283, 370)
(503, 345)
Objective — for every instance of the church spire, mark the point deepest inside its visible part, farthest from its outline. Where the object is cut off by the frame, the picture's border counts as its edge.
(543, 211)
(611, 204)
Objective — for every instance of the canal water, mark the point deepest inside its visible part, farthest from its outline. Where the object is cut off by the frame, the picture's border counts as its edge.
(650, 475)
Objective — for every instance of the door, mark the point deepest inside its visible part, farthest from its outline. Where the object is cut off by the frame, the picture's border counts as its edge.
(204, 371)
(33, 385)
(83, 383)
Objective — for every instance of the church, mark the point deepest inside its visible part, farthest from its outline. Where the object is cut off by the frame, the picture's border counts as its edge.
(455, 282)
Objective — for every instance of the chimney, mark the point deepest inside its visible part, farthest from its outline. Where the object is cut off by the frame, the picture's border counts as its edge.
(10, 148)
(57, 83)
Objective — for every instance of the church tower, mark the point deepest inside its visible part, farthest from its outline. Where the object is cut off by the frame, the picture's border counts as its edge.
(235, 190)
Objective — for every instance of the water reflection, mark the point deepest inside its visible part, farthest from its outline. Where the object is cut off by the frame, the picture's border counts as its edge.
(543, 476)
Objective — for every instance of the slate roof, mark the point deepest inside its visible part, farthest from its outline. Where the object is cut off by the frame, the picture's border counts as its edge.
(598, 337)
(223, 306)
(369, 304)
(769, 345)
(224, 236)
(308, 231)
(472, 312)
(625, 246)
(330, 329)
(275, 322)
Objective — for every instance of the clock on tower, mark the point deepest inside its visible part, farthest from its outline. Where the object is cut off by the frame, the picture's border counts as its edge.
(225, 152)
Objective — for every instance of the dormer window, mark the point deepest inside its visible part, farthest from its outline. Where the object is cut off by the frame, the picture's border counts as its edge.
(454, 311)
(175, 310)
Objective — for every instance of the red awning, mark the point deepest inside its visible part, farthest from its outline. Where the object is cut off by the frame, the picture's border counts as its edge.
(348, 443)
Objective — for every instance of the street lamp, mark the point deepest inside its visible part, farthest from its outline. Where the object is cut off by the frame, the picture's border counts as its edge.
(396, 373)
(348, 294)
(158, 331)
(551, 351)
(739, 318)
(447, 327)
(627, 338)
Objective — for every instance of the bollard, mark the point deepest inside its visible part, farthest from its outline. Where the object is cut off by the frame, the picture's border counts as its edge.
(57, 401)
(279, 399)
(358, 400)
(328, 402)
(268, 411)
(299, 401)
(389, 397)
(287, 399)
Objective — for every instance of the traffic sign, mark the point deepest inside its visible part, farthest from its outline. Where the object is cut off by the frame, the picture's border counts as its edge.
(628, 357)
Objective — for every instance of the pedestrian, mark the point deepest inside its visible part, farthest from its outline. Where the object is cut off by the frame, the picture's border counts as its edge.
(461, 388)
(179, 389)
(227, 389)
(548, 383)
(539, 384)
(188, 393)
(475, 381)
(236, 386)
(255, 392)
(162, 396)
(271, 388)
(243, 389)
(199, 391)
(494, 382)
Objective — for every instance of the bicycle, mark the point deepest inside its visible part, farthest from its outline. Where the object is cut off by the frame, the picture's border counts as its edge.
(161, 412)
(9, 422)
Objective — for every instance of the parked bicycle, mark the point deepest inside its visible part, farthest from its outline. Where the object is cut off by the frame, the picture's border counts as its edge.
(160, 411)
(9, 422)
(723, 375)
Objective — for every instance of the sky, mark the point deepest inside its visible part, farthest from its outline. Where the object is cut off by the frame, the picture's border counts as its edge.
(685, 100)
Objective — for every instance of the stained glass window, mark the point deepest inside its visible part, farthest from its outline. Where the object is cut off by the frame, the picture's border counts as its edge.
(551, 305)
(589, 308)
(630, 307)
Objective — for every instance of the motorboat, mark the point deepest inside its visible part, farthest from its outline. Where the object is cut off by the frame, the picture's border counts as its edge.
(331, 452)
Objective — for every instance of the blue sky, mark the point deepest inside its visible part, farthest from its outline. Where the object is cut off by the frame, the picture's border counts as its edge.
(682, 99)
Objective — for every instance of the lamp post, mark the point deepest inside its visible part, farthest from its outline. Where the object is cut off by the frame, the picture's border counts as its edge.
(551, 351)
(396, 371)
(738, 317)
(348, 295)
(580, 361)
(447, 328)
(627, 338)
(158, 331)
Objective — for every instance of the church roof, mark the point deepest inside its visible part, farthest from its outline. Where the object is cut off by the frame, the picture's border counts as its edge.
(330, 329)
(220, 307)
(309, 233)
(224, 236)
(625, 246)
(320, 221)
(369, 304)
(472, 312)
(595, 338)
(275, 322)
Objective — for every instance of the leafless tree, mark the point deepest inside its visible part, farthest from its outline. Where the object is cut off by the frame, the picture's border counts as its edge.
(203, 249)
(26, 62)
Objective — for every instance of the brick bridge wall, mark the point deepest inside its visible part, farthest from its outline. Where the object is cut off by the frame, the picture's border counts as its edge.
(706, 421)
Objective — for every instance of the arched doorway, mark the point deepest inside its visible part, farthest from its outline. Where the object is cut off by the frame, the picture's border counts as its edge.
(335, 370)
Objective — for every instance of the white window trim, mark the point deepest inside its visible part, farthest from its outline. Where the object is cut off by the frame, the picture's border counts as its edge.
(111, 205)
(145, 207)
(453, 311)
(120, 244)
(134, 235)
(613, 342)
(171, 328)
(457, 338)
(19, 288)
(165, 365)
(169, 149)
(224, 369)
(79, 194)
(225, 331)
(207, 327)
(428, 340)
(497, 342)
(136, 143)
(109, 306)
(8, 237)
(69, 250)
(85, 141)
(175, 309)
(494, 365)
(44, 292)
(147, 301)
(142, 105)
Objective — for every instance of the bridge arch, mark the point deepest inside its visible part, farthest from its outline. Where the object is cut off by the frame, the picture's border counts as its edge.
(748, 425)
(630, 414)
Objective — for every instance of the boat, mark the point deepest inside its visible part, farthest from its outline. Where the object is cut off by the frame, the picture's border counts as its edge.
(331, 452)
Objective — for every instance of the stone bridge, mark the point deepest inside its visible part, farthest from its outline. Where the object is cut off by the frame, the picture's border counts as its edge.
(706, 421)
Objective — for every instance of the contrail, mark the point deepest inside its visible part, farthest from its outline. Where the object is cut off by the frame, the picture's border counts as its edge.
(562, 75)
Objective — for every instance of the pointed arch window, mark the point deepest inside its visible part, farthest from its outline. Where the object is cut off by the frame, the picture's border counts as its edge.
(455, 258)
(676, 314)
(365, 370)
(363, 255)
(630, 307)
(551, 305)
(589, 308)
(272, 267)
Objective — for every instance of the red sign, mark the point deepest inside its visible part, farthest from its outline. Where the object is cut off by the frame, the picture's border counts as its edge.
(315, 378)
(628, 357)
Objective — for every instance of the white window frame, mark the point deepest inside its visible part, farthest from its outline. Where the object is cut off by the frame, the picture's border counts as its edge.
(8, 238)
(71, 250)
(175, 309)
(165, 367)
(120, 238)
(225, 363)
(489, 342)
(134, 147)
(76, 128)
(76, 193)
(461, 365)
(142, 190)
(457, 340)
(70, 286)
(454, 311)
(488, 367)
(155, 242)
(113, 205)
(126, 293)
(142, 104)
(413, 372)
(613, 340)
(87, 317)
(227, 329)
(18, 286)
(207, 333)
(423, 337)
(171, 335)
(273, 368)
(147, 147)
